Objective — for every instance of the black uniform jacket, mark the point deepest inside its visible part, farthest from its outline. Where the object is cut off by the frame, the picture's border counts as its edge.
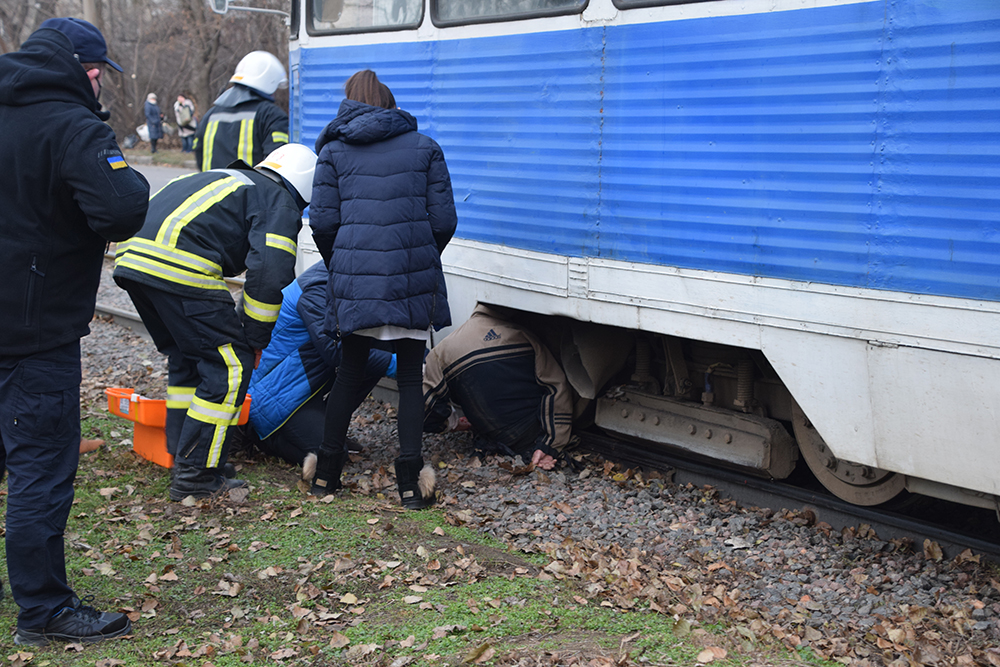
(205, 226)
(65, 191)
(241, 125)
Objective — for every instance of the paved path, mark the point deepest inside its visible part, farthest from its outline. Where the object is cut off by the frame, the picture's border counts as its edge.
(159, 176)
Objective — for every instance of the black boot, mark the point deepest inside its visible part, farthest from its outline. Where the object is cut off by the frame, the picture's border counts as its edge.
(416, 483)
(328, 469)
(188, 480)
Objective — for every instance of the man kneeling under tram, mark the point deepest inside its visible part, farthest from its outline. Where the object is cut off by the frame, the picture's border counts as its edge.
(512, 390)
(201, 228)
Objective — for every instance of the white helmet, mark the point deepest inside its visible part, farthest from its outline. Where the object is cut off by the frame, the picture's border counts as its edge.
(261, 71)
(296, 164)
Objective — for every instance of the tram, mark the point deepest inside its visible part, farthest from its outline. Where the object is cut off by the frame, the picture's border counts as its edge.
(756, 231)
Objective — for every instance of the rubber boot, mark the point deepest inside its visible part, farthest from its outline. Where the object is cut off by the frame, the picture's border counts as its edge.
(416, 483)
(328, 468)
(228, 475)
(189, 480)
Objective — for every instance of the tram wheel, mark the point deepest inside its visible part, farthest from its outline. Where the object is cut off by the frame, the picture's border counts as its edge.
(853, 482)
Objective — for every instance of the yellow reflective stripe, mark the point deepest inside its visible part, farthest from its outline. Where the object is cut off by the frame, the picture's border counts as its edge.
(212, 413)
(195, 205)
(206, 154)
(184, 258)
(235, 379)
(281, 243)
(245, 149)
(215, 447)
(260, 311)
(169, 273)
(279, 137)
(120, 249)
(179, 397)
(172, 181)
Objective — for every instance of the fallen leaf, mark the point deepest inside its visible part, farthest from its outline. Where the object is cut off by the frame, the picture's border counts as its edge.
(339, 641)
(349, 598)
(412, 599)
(476, 654)
(711, 653)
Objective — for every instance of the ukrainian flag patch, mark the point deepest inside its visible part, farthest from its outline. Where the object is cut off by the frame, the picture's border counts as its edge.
(117, 162)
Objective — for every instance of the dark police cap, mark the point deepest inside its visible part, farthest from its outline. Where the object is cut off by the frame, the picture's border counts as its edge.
(88, 42)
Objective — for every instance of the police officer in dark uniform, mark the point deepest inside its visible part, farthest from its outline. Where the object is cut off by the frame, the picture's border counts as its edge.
(201, 228)
(244, 123)
(66, 193)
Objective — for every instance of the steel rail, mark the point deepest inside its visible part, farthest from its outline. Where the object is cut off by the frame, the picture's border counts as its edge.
(749, 490)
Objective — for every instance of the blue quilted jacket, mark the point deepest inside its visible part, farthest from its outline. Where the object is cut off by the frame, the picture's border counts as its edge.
(300, 360)
(382, 212)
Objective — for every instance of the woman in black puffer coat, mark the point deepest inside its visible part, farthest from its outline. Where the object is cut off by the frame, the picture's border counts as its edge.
(382, 212)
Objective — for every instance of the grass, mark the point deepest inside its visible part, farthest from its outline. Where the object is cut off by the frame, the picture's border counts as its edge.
(284, 578)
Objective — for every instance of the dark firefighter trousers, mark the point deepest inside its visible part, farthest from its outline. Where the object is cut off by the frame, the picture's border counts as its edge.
(40, 450)
(210, 363)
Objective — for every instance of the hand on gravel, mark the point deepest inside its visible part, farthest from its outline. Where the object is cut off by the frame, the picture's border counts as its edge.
(543, 460)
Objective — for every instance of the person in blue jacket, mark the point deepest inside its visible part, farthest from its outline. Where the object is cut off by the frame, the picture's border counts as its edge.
(296, 370)
(382, 213)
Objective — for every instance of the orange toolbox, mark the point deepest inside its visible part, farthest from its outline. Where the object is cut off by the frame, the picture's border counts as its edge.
(149, 437)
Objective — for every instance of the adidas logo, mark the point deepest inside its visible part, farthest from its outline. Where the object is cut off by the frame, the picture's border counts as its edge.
(491, 335)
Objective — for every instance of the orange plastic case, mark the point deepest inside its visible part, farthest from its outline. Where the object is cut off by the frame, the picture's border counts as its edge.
(149, 437)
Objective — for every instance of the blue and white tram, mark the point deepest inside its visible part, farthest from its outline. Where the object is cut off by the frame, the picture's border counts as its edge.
(765, 215)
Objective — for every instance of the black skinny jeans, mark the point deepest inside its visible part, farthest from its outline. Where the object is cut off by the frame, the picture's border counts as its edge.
(409, 377)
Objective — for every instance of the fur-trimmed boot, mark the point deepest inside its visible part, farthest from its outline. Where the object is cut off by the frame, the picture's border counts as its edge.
(327, 476)
(416, 483)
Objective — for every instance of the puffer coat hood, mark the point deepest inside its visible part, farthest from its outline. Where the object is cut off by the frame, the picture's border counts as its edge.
(357, 123)
(382, 212)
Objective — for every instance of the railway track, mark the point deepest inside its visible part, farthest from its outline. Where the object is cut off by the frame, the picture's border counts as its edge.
(954, 528)
(926, 520)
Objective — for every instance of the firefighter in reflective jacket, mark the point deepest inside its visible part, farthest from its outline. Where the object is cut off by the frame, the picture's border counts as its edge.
(244, 123)
(200, 228)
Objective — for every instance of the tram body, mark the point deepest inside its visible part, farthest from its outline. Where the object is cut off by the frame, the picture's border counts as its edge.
(760, 211)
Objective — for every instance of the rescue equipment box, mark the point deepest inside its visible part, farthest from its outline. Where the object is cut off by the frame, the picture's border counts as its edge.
(149, 436)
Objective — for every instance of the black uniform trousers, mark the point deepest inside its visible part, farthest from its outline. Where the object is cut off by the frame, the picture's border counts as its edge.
(40, 450)
(210, 363)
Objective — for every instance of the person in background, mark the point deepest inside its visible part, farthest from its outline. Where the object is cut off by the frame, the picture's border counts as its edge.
(244, 123)
(508, 385)
(296, 371)
(154, 120)
(186, 122)
(382, 214)
(199, 229)
(70, 193)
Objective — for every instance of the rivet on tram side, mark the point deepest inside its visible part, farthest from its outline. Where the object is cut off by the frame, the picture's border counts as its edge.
(625, 413)
(642, 416)
(728, 438)
(656, 420)
(708, 434)
(692, 429)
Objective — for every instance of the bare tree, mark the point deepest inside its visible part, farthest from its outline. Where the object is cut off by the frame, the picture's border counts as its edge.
(165, 46)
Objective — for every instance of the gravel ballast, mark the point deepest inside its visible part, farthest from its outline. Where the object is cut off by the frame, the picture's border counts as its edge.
(637, 541)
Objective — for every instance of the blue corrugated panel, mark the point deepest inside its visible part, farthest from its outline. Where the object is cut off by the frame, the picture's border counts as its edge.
(742, 144)
(519, 119)
(853, 145)
(936, 207)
